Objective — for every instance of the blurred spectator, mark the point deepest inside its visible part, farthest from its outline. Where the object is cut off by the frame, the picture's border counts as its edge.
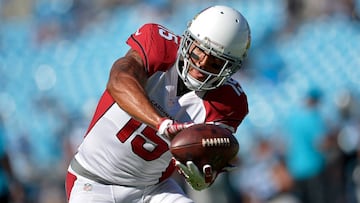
(10, 188)
(221, 191)
(294, 14)
(342, 7)
(263, 176)
(56, 147)
(356, 176)
(348, 142)
(15, 9)
(299, 11)
(67, 19)
(305, 135)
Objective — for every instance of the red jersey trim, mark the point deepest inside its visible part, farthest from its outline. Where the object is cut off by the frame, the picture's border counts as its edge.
(169, 171)
(145, 59)
(106, 101)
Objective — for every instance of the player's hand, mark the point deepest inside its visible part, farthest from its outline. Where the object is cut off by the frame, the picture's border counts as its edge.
(194, 177)
(169, 128)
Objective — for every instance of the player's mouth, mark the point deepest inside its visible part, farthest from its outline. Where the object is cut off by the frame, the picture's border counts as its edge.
(197, 74)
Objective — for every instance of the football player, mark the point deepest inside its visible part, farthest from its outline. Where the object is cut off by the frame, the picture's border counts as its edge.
(162, 85)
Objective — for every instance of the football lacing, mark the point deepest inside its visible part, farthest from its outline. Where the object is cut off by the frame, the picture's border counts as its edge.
(216, 142)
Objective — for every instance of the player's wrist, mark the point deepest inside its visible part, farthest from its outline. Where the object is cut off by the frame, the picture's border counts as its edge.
(170, 128)
(163, 126)
(161, 122)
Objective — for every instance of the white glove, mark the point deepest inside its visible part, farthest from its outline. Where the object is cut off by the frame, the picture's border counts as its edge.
(169, 128)
(194, 177)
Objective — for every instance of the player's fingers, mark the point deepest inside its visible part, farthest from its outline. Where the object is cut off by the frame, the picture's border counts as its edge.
(178, 163)
(184, 169)
(193, 168)
(186, 125)
(208, 174)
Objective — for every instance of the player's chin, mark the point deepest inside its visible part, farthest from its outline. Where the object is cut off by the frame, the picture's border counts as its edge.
(197, 75)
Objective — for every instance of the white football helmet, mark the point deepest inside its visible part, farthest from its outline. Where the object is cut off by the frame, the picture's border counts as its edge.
(219, 31)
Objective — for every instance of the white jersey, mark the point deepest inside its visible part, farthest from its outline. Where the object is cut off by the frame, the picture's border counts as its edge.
(123, 151)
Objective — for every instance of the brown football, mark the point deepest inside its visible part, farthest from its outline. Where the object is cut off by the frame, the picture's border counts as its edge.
(205, 144)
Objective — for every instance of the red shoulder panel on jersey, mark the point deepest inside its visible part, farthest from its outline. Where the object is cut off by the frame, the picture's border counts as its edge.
(157, 46)
(227, 104)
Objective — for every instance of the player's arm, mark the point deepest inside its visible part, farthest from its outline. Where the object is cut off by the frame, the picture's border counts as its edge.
(126, 85)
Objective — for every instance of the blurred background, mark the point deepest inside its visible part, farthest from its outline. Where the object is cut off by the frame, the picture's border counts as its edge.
(299, 143)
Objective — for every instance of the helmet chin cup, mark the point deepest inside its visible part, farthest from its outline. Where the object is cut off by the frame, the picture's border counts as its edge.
(190, 82)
